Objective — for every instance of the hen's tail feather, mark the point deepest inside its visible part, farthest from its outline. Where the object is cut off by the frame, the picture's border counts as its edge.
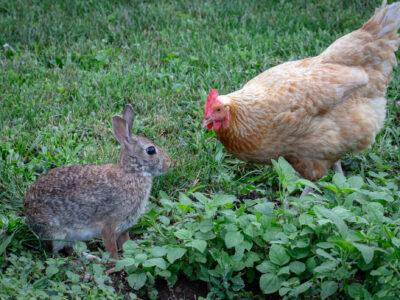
(386, 20)
(371, 47)
(383, 26)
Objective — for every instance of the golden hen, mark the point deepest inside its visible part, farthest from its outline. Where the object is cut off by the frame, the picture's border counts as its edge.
(315, 110)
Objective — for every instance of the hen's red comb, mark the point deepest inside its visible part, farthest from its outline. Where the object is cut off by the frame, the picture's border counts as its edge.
(212, 97)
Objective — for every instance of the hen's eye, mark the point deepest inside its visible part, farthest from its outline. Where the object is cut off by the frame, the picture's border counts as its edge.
(151, 150)
(218, 109)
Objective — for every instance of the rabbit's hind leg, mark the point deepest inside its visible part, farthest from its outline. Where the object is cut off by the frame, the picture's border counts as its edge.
(110, 241)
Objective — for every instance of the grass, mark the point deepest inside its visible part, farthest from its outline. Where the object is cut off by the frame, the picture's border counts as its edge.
(67, 67)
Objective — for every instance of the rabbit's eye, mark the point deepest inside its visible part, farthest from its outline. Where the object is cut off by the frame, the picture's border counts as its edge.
(151, 150)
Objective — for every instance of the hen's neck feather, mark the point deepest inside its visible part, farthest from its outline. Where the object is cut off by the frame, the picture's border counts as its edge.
(248, 117)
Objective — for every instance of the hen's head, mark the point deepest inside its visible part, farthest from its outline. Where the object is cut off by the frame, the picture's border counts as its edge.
(216, 113)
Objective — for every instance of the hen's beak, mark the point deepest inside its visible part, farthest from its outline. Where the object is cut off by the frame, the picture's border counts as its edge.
(206, 121)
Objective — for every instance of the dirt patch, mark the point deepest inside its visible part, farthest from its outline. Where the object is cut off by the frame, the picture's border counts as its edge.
(120, 284)
(183, 288)
(252, 195)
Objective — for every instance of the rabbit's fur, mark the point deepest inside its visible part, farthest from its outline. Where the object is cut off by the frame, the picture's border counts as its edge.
(82, 202)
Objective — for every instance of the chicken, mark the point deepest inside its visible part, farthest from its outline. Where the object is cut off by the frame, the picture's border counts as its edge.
(313, 111)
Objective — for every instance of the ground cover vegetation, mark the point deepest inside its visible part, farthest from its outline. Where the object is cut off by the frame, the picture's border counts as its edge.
(215, 227)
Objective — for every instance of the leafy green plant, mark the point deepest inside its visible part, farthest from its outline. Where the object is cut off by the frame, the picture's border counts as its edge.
(67, 67)
(319, 250)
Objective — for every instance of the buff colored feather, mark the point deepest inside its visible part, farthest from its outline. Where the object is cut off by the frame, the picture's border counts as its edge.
(314, 111)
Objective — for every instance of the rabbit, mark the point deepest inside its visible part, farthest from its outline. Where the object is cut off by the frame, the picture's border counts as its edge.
(82, 202)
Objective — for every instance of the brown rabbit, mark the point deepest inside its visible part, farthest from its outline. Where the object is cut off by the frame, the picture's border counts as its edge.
(82, 202)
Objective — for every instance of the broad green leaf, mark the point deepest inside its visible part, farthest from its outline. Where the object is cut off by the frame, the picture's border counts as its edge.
(278, 255)
(238, 283)
(396, 242)
(328, 288)
(163, 273)
(158, 251)
(284, 290)
(269, 283)
(141, 257)
(283, 237)
(325, 254)
(75, 278)
(299, 253)
(202, 199)
(137, 280)
(355, 182)
(271, 234)
(185, 200)
(342, 212)
(205, 235)
(301, 288)
(284, 271)
(198, 244)
(302, 243)
(126, 262)
(183, 234)
(380, 196)
(307, 183)
(99, 276)
(206, 225)
(289, 229)
(325, 245)
(185, 203)
(155, 262)
(367, 252)
(336, 220)
(297, 267)
(330, 186)
(358, 220)
(265, 208)
(306, 219)
(375, 211)
(326, 267)
(175, 253)
(286, 174)
(339, 180)
(355, 290)
(233, 238)
(165, 220)
(344, 244)
(221, 200)
(267, 267)
(286, 168)
(251, 258)
(163, 195)
(52, 270)
(311, 264)
(239, 253)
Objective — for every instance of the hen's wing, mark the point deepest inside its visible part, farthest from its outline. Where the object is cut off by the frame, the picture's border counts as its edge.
(306, 86)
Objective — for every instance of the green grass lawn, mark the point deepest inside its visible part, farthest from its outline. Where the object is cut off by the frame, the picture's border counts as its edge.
(66, 67)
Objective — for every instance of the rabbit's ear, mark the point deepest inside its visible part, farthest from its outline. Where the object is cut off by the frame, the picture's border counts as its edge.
(129, 116)
(120, 127)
